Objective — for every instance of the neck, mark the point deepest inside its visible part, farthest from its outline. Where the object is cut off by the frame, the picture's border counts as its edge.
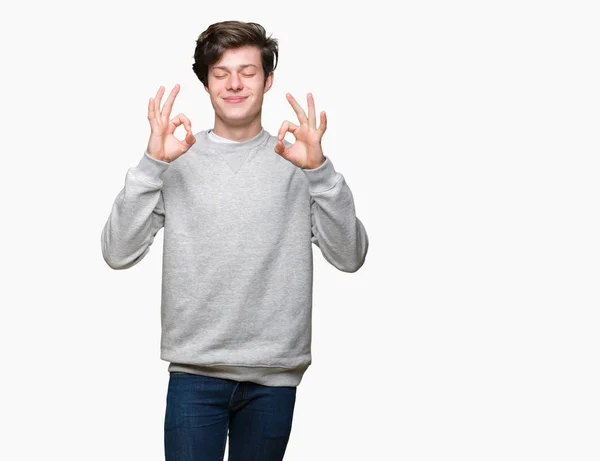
(237, 133)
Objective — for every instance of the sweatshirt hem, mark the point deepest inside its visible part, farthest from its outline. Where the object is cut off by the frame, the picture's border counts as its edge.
(323, 178)
(150, 169)
(267, 376)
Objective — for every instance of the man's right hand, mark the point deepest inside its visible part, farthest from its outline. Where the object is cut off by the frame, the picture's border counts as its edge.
(163, 145)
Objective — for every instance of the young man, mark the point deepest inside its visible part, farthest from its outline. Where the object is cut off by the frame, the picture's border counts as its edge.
(240, 210)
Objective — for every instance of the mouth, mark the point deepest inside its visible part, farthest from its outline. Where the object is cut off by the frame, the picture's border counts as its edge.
(235, 99)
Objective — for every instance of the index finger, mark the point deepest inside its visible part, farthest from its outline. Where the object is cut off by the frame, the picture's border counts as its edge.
(297, 108)
(166, 110)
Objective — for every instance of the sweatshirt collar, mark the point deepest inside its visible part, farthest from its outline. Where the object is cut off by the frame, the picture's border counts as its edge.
(233, 147)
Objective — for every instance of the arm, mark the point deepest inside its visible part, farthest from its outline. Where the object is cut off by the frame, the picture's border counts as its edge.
(138, 212)
(336, 230)
(137, 215)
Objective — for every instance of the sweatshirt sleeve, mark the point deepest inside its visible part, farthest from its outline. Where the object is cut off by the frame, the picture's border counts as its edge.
(137, 214)
(336, 230)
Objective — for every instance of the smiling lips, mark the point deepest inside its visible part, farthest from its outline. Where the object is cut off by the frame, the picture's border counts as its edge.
(235, 99)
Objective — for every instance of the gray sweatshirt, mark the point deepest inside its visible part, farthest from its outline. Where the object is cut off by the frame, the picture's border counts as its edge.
(239, 223)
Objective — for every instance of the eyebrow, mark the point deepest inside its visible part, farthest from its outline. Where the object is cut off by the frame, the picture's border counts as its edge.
(242, 66)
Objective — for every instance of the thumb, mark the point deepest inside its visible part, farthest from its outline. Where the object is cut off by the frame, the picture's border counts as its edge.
(279, 147)
(189, 137)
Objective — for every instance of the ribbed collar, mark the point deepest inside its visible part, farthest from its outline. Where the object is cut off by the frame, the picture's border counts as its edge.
(232, 148)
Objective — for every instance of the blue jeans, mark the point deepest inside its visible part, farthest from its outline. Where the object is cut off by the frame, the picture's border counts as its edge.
(202, 410)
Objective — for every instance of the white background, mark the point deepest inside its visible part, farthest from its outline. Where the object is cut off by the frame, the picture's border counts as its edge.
(468, 134)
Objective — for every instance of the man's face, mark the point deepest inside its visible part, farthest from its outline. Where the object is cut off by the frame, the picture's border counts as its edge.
(236, 86)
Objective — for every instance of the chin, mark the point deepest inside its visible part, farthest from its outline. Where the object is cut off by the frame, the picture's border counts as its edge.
(237, 118)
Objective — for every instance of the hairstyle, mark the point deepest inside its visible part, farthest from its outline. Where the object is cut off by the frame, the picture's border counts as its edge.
(221, 36)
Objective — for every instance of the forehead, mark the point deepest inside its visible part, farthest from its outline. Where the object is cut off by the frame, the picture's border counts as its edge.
(235, 57)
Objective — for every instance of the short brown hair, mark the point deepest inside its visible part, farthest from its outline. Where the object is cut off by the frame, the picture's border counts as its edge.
(221, 36)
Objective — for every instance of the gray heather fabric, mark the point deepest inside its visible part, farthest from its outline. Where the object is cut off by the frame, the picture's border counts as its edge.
(239, 223)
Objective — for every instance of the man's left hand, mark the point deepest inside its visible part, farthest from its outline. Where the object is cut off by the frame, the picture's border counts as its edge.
(306, 152)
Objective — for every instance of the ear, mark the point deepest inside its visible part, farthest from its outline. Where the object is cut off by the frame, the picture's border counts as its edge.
(206, 89)
(269, 82)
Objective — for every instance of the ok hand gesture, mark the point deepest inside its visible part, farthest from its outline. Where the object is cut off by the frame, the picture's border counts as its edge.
(163, 145)
(306, 152)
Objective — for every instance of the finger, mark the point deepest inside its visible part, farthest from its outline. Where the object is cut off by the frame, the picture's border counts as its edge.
(181, 120)
(286, 126)
(280, 148)
(189, 138)
(323, 124)
(166, 111)
(151, 113)
(157, 101)
(189, 135)
(312, 119)
(299, 111)
(178, 121)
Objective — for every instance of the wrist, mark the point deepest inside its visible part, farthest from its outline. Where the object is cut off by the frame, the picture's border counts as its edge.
(160, 157)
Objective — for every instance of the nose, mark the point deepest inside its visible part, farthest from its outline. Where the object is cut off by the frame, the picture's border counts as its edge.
(235, 82)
